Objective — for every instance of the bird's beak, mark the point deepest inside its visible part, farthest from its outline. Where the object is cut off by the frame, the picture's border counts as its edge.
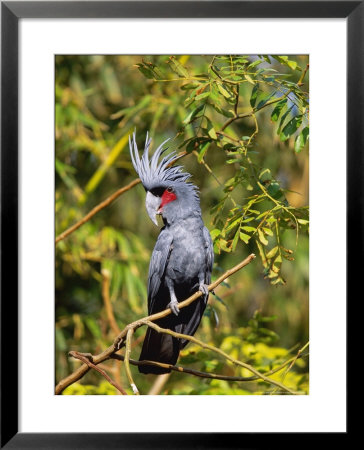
(152, 204)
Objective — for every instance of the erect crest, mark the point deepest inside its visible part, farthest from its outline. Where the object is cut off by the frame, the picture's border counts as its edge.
(151, 172)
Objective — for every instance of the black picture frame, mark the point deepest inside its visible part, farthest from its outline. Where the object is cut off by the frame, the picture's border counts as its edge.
(11, 12)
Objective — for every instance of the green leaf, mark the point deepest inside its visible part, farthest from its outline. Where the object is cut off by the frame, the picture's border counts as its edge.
(265, 99)
(245, 237)
(287, 62)
(262, 238)
(225, 91)
(255, 63)
(233, 224)
(193, 114)
(290, 128)
(202, 96)
(272, 252)
(155, 69)
(235, 241)
(268, 231)
(273, 188)
(279, 280)
(301, 140)
(254, 95)
(146, 71)
(268, 332)
(224, 246)
(248, 229)
(188, 86)
(278, 259)
(210, 129)
(177, 67)
(192, 145)
(292, 64)
(215, 233)
(222, 111)
(283, 118)
(265, 175)
(203, 150)
(250, 79)
(278, 109)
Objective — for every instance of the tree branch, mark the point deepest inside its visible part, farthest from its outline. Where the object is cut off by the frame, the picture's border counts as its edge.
(104, 204)
(97, 209)
(256, 109)
(126, 361)
(220, 352)
(120, 339)
(87, 361)
(200, 374)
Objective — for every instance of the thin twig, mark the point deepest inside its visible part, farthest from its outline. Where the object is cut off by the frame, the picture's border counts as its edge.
(126, 361)
(200, 374)
(300, 81)
(87, 361)
(253, 111)
(97, 209)
(104, 204)
(299, 353)
(220, 352)
(120, 339)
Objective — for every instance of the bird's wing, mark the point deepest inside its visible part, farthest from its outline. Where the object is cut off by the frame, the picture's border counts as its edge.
(209, 254)
(158, 265)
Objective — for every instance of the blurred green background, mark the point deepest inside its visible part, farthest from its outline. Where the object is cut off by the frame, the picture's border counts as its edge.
(99, 101)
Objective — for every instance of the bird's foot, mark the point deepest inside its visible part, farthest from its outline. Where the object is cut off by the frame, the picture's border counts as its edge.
(173, 305)
(204, 289)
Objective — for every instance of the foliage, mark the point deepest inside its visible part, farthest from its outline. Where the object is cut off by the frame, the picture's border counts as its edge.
(214, 96)
(104, 388)
(243, 121)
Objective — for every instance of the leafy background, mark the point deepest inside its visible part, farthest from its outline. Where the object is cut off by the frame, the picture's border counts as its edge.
(243, 122)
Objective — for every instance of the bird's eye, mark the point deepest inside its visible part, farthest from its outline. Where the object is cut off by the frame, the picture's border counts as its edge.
(170, 189)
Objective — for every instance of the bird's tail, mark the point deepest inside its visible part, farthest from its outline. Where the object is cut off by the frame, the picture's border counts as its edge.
(158, 347)
(164, 348)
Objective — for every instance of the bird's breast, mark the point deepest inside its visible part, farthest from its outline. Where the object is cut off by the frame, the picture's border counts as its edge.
(188, 255)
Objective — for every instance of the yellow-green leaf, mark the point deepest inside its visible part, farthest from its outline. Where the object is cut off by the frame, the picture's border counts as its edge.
(245, 237)
(272, 252)
(248, 78)
(262, 238)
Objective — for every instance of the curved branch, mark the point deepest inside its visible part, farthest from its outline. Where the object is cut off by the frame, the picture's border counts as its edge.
(97, 209)
(222, 353)
(126, 361)
(119, 342)
(104, 204)
(200, 374)
(87, 361)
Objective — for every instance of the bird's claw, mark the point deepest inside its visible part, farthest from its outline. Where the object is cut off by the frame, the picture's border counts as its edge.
(173, 305)
(204, 289)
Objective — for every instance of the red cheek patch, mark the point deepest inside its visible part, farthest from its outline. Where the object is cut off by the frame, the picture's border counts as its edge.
(167, 197)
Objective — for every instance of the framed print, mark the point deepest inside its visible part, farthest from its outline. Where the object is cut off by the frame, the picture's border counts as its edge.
(235, 87)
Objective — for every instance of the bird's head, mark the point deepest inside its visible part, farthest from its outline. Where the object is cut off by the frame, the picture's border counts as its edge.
(168, 192)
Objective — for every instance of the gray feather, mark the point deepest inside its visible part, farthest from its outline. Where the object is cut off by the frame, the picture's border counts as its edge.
(157, 266)
(149, 170)
(209, 255)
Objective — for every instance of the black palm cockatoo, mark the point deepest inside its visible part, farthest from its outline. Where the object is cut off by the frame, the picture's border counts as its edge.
(182, 258)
